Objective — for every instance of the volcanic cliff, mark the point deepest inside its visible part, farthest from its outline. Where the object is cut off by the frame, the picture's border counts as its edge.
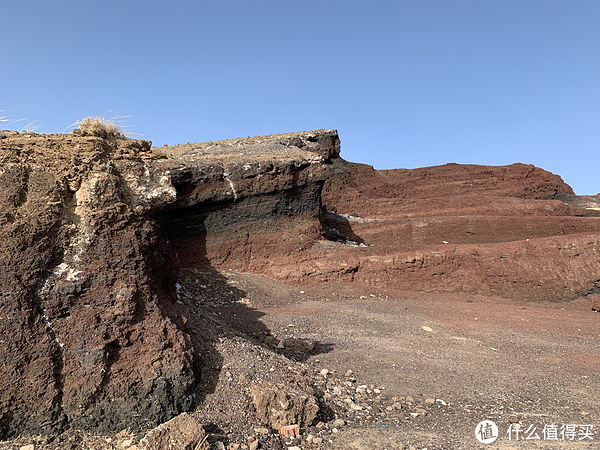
(98, 234)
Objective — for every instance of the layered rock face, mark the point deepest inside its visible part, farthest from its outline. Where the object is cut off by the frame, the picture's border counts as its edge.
(91, 333)
(97, 234)
(517, 231)
(249, 204)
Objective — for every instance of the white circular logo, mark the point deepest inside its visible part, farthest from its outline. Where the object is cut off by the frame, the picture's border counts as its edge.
(486, 432)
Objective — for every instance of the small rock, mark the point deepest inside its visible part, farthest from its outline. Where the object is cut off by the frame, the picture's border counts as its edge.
(28, 447)
(409, 399)
(348, 373)
(441, 402)
(430, 401)
(324, 372)
(262, 430)
(428, 329)
(295, 447)
(253, 445)
(289, 430)
(339, 423)
(421, 411)
(317, 440)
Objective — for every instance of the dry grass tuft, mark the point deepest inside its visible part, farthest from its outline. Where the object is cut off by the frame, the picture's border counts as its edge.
(99, 126)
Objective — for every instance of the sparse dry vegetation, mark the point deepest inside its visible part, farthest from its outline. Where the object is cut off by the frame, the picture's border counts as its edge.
(99, 126)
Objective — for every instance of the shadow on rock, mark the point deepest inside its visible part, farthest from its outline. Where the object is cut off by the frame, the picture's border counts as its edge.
(338, 229)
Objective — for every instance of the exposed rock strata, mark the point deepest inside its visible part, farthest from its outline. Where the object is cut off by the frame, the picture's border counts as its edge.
(91, 333)
(97, 235)
(517, 231)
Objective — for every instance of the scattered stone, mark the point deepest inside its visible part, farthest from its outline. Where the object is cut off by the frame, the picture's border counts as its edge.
(410, 400)
(348, 373)
(430, 401)
(28, 447)
(428, 329)
(253, 445)
(317, 441)
(441, 402)
(324, 372)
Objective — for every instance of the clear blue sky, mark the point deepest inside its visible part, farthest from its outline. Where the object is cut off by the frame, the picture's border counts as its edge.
(406, 83)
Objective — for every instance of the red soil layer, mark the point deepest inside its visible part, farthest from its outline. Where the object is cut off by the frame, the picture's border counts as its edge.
(452, 228)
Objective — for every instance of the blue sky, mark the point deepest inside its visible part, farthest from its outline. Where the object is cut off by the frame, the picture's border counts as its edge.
(406, 83)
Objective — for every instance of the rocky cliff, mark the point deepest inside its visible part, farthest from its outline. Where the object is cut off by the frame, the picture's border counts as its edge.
(516, 231)
(99, 235)
(93, 234)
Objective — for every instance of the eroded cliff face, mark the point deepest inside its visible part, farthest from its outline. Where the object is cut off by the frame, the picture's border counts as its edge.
(89, 339)
(98, 235)
(515, 231)
(249, 203)
(91, 333)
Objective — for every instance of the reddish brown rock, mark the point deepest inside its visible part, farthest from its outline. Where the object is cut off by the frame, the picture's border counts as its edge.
(93, 233)
(515, 231)
(88, 333)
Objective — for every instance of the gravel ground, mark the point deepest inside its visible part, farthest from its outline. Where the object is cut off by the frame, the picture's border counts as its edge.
(435, 365)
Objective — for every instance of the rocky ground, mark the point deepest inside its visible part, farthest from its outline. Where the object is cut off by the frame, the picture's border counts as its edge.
(390, 369)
